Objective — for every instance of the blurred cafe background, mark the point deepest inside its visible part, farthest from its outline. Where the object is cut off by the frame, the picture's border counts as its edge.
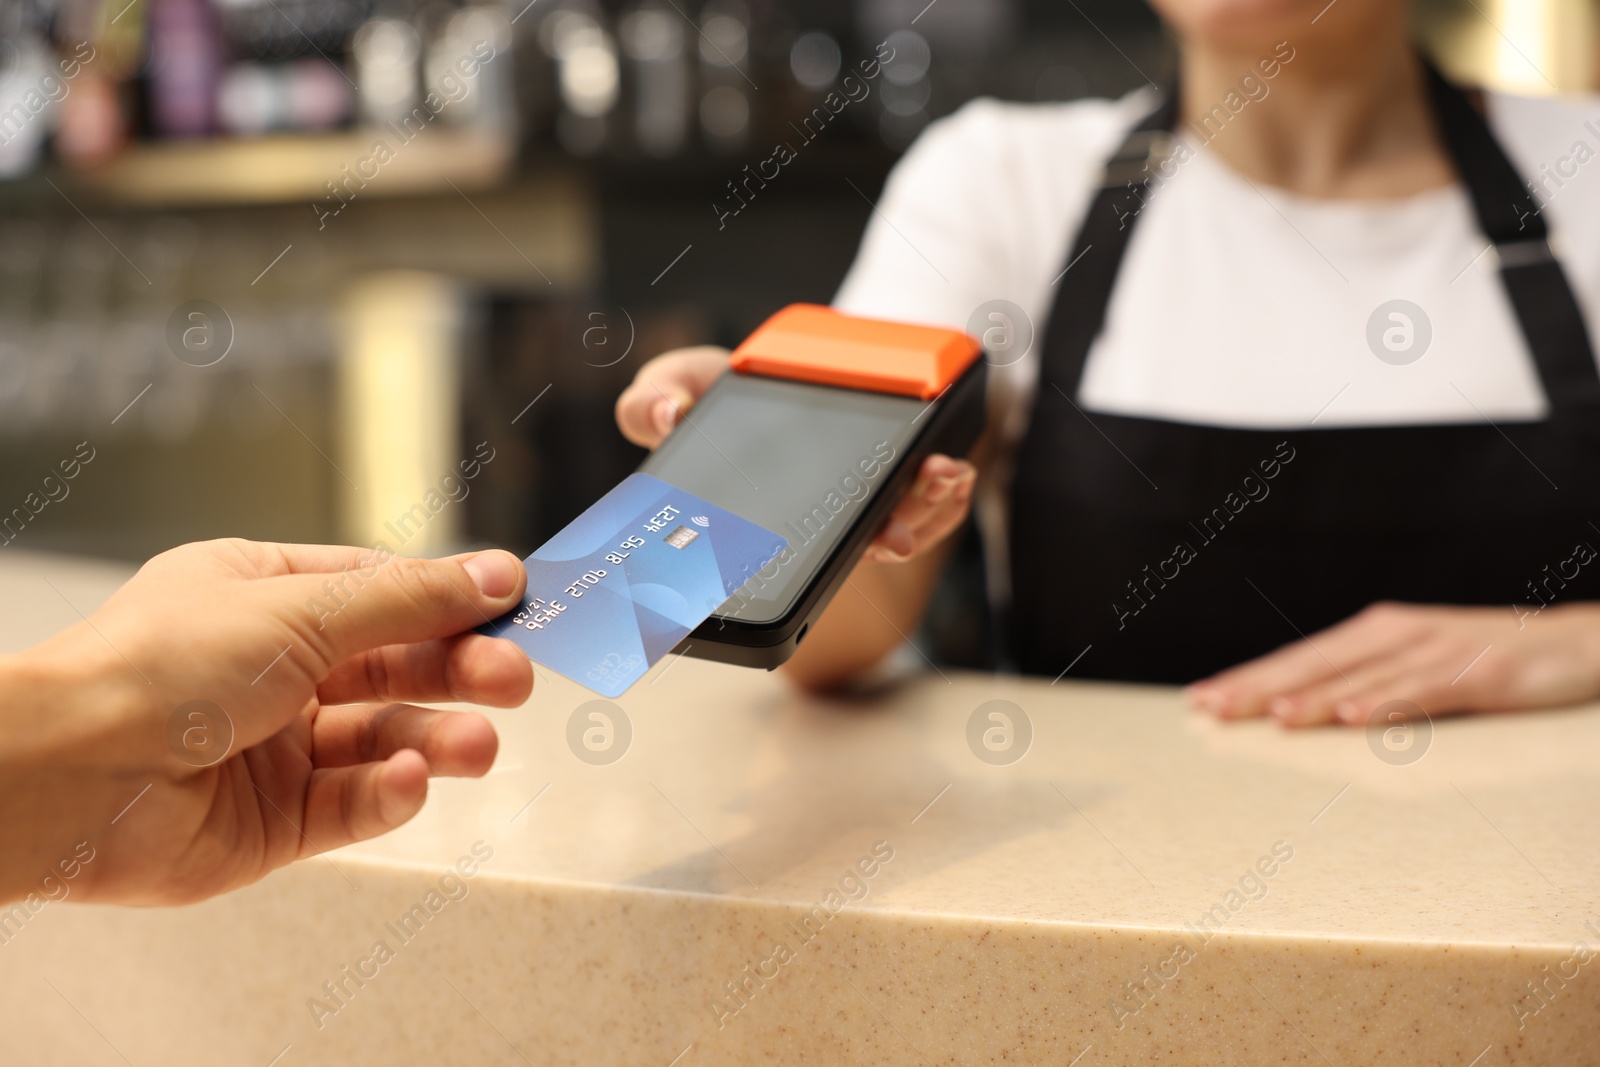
(261, 324)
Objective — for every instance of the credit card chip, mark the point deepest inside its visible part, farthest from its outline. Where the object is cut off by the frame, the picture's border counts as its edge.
(681, 537)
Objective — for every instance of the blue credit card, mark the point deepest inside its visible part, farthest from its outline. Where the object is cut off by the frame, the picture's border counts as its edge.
(628, 579)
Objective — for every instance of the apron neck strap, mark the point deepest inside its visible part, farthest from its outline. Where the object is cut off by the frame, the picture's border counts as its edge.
(1504, 209)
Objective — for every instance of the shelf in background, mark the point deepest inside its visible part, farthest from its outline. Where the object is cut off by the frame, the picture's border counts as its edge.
(281, 169)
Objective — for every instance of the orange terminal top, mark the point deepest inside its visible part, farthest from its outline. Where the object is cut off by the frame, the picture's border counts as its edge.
(809, 343)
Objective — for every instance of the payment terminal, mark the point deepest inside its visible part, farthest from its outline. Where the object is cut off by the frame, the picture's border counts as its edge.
(816, 431)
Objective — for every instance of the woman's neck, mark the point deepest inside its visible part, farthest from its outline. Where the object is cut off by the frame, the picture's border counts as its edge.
(1334, 122)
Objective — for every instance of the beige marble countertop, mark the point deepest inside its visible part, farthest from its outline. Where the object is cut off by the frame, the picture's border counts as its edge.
(1141, 886)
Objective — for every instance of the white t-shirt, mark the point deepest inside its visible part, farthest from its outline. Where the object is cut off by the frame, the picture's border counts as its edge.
(1237, 304)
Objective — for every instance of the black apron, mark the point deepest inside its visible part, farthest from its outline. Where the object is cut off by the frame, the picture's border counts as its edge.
(1149, 550)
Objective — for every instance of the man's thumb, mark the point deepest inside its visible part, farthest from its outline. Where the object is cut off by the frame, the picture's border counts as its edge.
(400, 600)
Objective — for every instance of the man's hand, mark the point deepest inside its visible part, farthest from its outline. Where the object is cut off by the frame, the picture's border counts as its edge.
(312, 653)
(1443, 659)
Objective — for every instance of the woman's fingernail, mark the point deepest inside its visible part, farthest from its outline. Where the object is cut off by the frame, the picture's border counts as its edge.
(1347, 711)
(494, 573)
(1283, 708)
(885, 554)
(665, 415)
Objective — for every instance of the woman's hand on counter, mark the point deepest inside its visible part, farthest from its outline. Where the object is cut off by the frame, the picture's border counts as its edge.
(1445, 660)
(237, 706)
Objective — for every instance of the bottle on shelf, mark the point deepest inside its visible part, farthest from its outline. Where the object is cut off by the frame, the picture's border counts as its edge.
(185, 67)
(725, 118)
(655, 40)
(588, 75)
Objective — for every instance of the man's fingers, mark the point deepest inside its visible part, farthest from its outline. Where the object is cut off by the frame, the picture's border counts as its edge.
(349, 804)
(373, 765)
(457, 744)
(401, 601)
(471, 669)
(664, 389)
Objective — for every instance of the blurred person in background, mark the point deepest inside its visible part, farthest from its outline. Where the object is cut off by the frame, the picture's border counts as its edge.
(1284, 389)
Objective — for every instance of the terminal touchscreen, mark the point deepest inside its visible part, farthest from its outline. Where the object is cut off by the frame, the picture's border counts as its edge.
(818, 428)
